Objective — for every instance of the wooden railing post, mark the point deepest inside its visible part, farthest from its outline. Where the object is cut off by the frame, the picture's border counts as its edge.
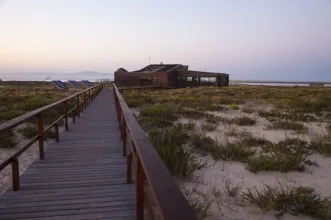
(66, 115)
(78, 106)
(82, 105)
(15, 174)
(129, 168)
(124, 135)
(40, 128)
(57, 137)
(89, 96)
(140, 191)
(85, 101)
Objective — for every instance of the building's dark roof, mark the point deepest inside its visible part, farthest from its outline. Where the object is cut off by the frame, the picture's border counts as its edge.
(122, 70)
(159, 68)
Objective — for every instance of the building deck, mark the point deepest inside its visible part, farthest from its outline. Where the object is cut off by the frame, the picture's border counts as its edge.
(82, 177)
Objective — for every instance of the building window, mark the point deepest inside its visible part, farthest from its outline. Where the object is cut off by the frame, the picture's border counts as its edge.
(145, 78)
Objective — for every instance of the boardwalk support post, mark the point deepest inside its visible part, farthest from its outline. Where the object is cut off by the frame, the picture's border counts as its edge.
(57, 137)
(78, 106)
(129, 169)
(40, 136)
(15, 174)
(140, 191)
(66, 115)
(85, 101)
(124, 135)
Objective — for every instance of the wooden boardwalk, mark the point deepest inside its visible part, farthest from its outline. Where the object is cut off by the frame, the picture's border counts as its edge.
(82, 177)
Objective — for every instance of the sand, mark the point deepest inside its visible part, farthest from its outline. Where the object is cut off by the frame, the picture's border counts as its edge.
(216, 174)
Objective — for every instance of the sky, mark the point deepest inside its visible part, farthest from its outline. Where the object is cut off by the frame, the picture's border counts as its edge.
(249, 39)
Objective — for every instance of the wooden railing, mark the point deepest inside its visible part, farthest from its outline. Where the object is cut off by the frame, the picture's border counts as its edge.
(81, 99)
(157, 194)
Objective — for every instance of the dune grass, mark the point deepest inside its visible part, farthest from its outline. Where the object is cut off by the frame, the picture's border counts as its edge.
(293, 200)
(168, 143)
(288, 125)
(8, 140)
(30, 131)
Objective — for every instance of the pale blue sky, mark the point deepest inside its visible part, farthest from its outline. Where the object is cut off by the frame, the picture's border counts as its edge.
(250, 39)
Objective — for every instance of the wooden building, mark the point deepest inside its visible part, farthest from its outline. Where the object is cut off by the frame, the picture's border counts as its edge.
(168, 76)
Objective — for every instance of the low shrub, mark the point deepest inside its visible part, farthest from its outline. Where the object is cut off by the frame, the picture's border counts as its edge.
(191, 113)
(212, 119)
(208, 127)
(276, 161)
(322, 147)
(234, 107)
(244, 120)
(133, 100)
(293, 200)
(252, 141)
(7, 115)
(203, 143)
(166, 111)
(154, 122)
(8, 140)
(168, 143)
(288, 125)
(30, 131)
(234, 152)
(248, 110)
(32, 104)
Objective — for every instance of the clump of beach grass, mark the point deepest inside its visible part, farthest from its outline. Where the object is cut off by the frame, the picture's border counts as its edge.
(284, 156)
(30, 131)
(293, 200)
(234, 107)
(165, 111)
(168, 143)
(276, 161)
(244, 120)
(288, 125)
(8, 140)
(248, 110)
(208, 127)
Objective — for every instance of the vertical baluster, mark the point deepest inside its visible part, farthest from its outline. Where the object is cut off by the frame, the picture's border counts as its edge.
(129, 169)
(140, 191)
(57, 136)
(40, 128)
(66, 115)
(15, 174)
(78, 106)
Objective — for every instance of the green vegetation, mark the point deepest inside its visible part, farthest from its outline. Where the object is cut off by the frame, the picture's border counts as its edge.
(165, 111)
(289, 115)
(234, 107)
(30, 131)
(276, 162)
(168, 143)
(293, 200)
(208, 127)
(248, 110)
(244, 120)
(17, 98)
(288, 125)
(8, 140)
(284, 156)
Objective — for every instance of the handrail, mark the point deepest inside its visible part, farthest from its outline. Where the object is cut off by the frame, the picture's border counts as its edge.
(88, 95)
(5, 126)
(156, 192)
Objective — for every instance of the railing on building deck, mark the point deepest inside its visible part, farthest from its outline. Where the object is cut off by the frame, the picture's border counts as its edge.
(87, 96)
(157, 194)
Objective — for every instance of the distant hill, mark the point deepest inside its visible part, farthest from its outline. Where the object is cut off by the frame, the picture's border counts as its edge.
(88, 75)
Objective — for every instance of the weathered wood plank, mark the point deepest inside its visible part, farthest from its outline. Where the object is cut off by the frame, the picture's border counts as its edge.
(82, 177)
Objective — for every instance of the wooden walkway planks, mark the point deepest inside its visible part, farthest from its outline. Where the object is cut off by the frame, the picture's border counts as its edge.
(82, 177)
